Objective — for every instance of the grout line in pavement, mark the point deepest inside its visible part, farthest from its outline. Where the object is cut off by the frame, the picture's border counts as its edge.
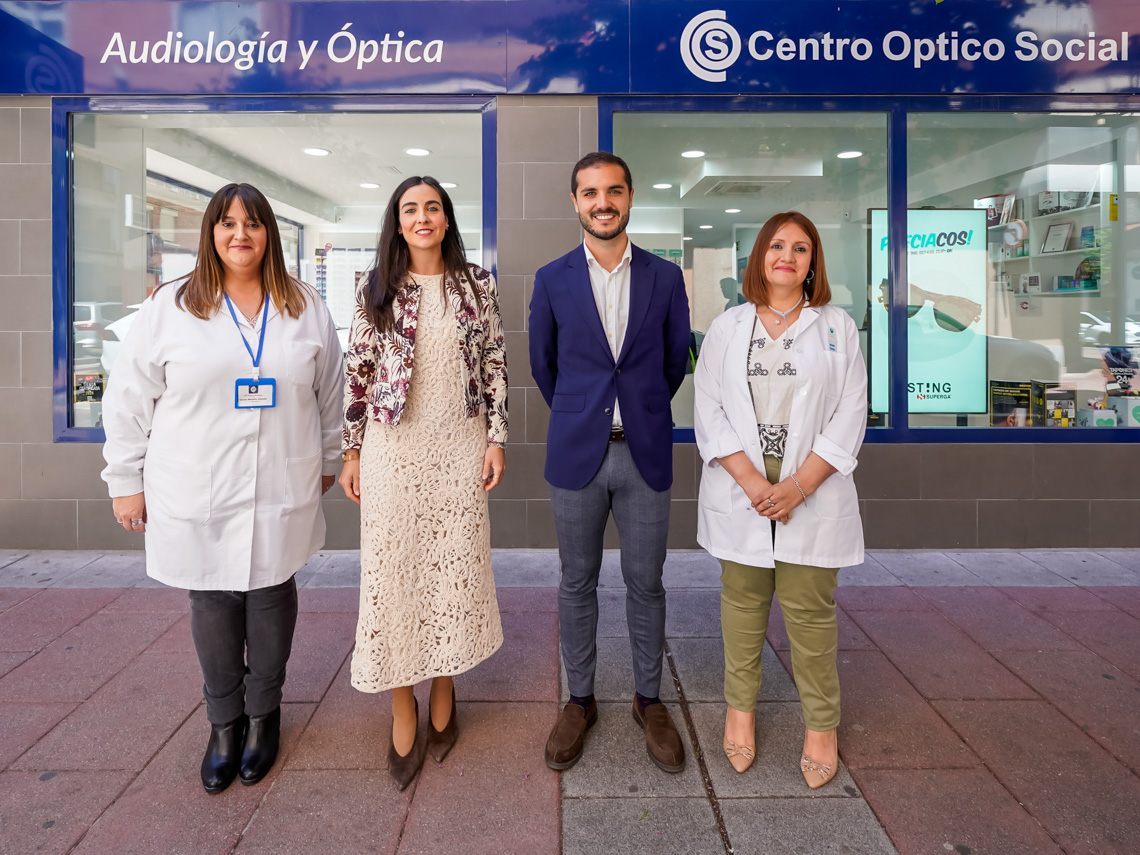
(710, 792)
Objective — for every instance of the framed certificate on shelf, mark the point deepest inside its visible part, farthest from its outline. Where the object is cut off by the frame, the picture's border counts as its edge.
(1057, 238)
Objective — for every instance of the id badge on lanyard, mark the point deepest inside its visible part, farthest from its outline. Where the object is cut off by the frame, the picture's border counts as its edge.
(256, 392)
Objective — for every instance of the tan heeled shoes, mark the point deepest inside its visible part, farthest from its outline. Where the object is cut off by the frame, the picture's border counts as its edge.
(817, 774)
(740, 757)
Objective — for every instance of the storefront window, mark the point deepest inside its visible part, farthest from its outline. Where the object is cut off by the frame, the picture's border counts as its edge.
(140, 183)
(705, 182)
(1024, 270)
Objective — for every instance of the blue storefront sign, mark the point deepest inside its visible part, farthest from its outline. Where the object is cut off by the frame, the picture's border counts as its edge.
(574, 47)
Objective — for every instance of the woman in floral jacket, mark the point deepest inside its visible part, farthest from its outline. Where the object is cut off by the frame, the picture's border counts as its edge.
(425, 426)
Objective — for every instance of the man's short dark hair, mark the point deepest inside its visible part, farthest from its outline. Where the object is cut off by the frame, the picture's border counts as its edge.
(598, 158)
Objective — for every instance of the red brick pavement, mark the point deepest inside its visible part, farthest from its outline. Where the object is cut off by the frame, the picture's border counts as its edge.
(975, 719)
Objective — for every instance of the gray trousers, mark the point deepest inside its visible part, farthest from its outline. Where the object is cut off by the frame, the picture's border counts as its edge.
(642, 517)
(243, 640)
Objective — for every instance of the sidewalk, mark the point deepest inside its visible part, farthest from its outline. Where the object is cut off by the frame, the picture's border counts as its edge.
(990, 706)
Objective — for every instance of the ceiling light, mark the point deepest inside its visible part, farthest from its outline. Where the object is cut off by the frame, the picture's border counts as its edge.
(417, 152)
(694, 153)
(368, 185)
(847, 155)
(318, 152)
(662, 186)
(448, 185)
(706, 227)
(732, 210)
(686, 237)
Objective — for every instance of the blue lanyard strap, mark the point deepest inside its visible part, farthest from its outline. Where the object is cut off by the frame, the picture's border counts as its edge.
(264, 324)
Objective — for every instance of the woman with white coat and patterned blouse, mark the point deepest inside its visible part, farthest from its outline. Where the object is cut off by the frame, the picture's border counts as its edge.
(223, 426)
(780, 413)
(425, 428)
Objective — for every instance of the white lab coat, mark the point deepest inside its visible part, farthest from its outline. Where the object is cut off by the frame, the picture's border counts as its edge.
(829, 417)
(233, 496)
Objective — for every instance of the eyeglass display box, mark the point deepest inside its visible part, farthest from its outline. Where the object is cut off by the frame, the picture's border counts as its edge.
(1050, 405)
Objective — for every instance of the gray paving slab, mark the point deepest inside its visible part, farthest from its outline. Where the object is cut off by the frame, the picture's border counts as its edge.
(1007, 568)
(815, 826)
(920, 567)
(700, 665)
(310, 568)
(779, 744)
(616, 764)
(45, 568)
(691, 568)
(7, 556)
(339, 570)
(870, 572)
(1084, 567)
(1127, 558)
(525, 568)
(112, 570)
(640, 826)
(613, 674)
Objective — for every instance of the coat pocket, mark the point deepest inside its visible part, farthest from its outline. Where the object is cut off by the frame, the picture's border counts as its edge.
(301, 362)
(177, 490)
(715, 493)
(302, 482)
(568, 403)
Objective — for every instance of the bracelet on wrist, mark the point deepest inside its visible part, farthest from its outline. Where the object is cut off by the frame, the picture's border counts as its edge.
(351, 454)
(798, 487)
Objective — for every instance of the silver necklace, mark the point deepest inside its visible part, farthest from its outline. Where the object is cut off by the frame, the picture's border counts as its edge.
(784, 315)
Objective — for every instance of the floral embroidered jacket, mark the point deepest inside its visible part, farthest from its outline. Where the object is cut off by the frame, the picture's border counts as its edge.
(378, 368)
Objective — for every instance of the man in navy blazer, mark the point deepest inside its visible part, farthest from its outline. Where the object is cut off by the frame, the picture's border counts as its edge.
(609, 340)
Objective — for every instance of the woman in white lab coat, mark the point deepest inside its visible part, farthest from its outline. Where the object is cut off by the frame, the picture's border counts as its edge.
(780, 413)
(223, 429)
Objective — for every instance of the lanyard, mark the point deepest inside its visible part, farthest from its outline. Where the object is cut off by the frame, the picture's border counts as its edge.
(261, 342)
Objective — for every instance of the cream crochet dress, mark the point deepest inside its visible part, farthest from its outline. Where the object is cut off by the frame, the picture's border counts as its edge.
(427, 593)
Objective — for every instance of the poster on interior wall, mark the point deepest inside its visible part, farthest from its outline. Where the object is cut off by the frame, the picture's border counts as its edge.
(946, 307)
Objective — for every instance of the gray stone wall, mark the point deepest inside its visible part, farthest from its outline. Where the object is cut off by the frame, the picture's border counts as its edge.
(914, 496)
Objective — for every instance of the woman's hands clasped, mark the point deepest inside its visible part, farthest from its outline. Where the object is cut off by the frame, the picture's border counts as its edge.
(778, 501)
(130, 512)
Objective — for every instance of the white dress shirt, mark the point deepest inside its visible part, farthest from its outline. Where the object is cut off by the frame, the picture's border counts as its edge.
(611, 294)
(233, 497)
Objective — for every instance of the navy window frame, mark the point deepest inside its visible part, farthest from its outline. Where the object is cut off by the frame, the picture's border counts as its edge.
(898, 429)
(62, 212)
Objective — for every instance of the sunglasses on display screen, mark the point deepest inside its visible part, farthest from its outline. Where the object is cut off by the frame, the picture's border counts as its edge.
(951, 313)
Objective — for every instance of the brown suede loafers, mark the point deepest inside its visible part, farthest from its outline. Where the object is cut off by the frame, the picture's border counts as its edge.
(566, 740)
(661, 738)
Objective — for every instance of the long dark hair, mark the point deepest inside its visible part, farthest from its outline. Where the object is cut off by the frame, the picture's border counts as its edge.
(817, 290)
(201, 293)
(389, 270)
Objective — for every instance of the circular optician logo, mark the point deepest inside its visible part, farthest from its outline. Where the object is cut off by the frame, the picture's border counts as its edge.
(709, 45)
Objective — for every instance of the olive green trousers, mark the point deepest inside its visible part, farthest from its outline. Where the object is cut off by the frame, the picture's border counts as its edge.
(807, 599)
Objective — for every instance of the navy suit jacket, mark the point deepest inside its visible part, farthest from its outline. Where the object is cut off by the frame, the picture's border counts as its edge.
(578, 376)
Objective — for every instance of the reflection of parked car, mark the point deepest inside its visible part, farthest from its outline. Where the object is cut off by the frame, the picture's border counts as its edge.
(1093, 330)
(1015, 359)
(90, 323)
(113, 338)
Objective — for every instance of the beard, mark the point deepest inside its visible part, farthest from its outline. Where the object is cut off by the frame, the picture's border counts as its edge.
(616, 227)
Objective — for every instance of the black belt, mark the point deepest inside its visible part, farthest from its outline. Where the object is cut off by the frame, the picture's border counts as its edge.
(617, 435)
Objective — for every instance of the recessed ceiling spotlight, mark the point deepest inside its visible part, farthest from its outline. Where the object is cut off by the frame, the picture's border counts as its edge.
(847, 155)
(417, 152)
(696, 152)
(448, 185)
(732, 210)
(318, 152)
(706, 227)
(368, 185)
(662, 186)
(686, 237)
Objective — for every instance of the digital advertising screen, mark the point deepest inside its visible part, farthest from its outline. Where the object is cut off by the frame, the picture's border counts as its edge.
(946, 308)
